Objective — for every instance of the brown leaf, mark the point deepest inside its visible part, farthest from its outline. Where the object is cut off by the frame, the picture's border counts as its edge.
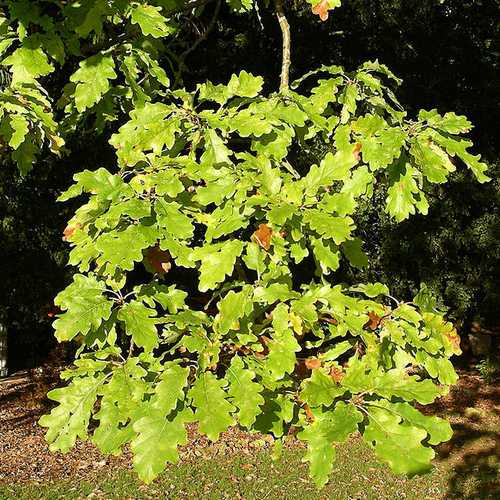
(374, 321)
(301, 370)
(454, 339)
(53, 311)
(264, 341)
(159, 260)
(321, 9)
(332, 321)
(337, 374)
(313, 363)
(263, 236)
(356, 150)
(309, 413)
(69, 230)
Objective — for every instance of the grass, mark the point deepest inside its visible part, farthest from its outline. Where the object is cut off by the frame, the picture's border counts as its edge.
(357, 475)
(239, 466)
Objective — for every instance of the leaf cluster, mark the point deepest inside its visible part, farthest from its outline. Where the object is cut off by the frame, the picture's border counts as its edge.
(207, 183)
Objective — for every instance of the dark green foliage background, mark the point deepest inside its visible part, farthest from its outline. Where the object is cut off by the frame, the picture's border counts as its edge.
(447, 53)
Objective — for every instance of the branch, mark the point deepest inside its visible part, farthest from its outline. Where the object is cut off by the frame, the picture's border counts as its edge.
(192, 5)
(205, 34)
(193, 47)
(285, 32)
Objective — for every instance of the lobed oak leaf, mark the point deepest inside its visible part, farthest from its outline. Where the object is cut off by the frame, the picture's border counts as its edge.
(262, 236)
(321, 9)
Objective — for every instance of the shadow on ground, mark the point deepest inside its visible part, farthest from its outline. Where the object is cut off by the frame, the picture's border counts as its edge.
(473, 408)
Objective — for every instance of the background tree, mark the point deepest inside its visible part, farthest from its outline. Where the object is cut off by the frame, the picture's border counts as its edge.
(447, 55)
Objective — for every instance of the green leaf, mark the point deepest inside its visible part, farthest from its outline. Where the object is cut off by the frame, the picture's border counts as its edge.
(320, 389)
(169, 297)
(100, 182)
(121, 398)
(359, 183)
(439, 430)
(171, 219)
(140, 323)
(270, 179)
(158, 437)
(394, 382)
(336, 351)
(151, 21)
(217, 262)
(215, 191)
(70, 419)
(283, 346)
(273, 293)
(279, 214)
(326, 255)
(459, 148)
(121, 249)
(245, 85)
(247, 124)
(450, 122)
(92, 79)
(332, 426)
(352, 249)
(213, 410)
(25, 156)
(240, 6)
(371, 289)
(433, 161)
(232, 308)
(381, 150)
(341, 203)
(336, 228)
(437, 367)
(244, 392)
(85, 305)
(397, 443)
(20, 127)
(332, 168)
(170, 388)
(216, 152)
(148, 130)
(348, 99)
(28, 63)
(401, 199)
(167, 183)
(93, 19)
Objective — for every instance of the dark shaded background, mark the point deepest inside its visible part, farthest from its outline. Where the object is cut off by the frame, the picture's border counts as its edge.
(447, 53)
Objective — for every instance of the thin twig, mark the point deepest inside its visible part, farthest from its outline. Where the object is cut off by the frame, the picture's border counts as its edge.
(192, 5)
(193, 47)
(286, 55)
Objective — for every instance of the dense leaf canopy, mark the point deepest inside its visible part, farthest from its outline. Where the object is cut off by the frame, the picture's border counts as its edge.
(206, 252)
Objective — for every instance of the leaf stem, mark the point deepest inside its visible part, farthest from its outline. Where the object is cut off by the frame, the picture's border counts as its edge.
(286, 55)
